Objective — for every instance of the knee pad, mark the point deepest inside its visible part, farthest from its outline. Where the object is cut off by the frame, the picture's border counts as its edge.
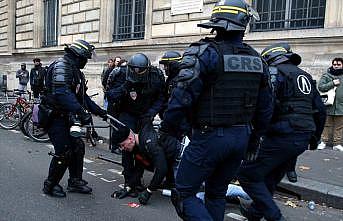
(177, 201)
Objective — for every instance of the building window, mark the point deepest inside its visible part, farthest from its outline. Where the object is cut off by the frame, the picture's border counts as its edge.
(130, 20)
(50, 23)
(289, 14)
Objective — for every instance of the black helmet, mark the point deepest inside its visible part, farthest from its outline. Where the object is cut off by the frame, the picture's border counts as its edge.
(230, 15)
(170, 56)
(139, 63)
(280, 52)
(81, 48)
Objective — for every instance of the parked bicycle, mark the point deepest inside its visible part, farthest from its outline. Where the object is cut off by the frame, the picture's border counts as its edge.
(11, 113)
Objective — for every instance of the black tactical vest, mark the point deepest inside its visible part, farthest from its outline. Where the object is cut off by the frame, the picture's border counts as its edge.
(294, 101)
(231, 97)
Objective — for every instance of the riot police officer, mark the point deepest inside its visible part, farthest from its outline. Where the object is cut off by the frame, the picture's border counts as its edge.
(224, 84)
(170, 62)
(137, 91)
(298, 120)
(66, 105)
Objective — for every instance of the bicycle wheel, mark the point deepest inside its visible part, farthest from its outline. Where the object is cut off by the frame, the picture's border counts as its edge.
(9, 116)
(23, 123)
(35, 133)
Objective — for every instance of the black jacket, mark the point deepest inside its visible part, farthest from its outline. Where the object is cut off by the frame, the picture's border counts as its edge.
(153, 156)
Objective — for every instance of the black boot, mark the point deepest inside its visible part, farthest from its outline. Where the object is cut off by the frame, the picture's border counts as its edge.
(53, 190)
(78, 186)
(292, 176)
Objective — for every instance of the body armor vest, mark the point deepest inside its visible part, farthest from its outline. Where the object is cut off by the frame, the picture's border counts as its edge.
(143, 93)
(294, 101)
(231, 97)
(63, 73)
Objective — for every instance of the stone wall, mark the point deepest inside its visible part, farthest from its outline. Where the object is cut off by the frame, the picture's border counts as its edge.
(79, 20)
(3, 25)
(24, 24)
(166, 25)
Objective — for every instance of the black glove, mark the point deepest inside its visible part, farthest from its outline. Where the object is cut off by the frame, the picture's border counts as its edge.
(144, 196)
(103, 114)
(314, 142)
(86, 118)
(125, 192)
(253, 148)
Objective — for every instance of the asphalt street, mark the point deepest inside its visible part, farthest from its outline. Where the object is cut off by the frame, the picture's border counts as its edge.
(24, 166)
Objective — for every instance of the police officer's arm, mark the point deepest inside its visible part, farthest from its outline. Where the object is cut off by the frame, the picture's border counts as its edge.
(157, 106)
(325, 83)
(195, 65)
(117, 88)
(264, 107)
(92, 106)
(62, 81)
(157, 156)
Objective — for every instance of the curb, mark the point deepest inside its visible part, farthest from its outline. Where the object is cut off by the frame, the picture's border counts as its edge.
(318, 192)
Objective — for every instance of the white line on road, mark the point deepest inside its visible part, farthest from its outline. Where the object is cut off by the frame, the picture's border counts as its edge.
(50, 146)
(108, 181)
(15, 131)
(115, 171)
(93, 173)
(87, 160)
(236, 216)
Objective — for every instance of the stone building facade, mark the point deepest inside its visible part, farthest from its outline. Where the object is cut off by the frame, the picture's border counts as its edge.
(23, 29)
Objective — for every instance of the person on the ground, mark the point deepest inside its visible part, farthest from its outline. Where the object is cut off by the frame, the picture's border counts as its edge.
(136, 94)
(148, 154)
(65, 108)
(23, 75)
(296, 125)
(37, 78)
(223, 83)
(333, 131)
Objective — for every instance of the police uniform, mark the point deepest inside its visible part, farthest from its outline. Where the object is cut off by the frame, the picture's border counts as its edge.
(67, 99)
(138, 92)
(222, 82)
(298, 120)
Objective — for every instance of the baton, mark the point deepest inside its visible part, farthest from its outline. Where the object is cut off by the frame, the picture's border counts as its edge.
(108, 160)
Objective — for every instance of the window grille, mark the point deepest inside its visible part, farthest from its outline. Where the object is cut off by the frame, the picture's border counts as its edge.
(289, 14)
(129, 20)
(50, 23)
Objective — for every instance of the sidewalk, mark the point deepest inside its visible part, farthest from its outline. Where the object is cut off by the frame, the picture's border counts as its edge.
(320, 175)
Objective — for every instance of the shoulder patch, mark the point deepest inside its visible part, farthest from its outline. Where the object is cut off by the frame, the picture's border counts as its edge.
(242, 63)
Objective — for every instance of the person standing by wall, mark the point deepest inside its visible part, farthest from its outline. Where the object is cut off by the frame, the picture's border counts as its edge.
(333, 131)
(37, 76)
(23, 75)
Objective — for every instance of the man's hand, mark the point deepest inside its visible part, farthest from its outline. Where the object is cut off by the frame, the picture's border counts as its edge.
(86, 118)
(144, 196)
(125, 192)
(336, 82)
(253, 148)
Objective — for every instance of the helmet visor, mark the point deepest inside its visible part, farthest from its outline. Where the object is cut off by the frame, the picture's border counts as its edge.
(138, 70)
